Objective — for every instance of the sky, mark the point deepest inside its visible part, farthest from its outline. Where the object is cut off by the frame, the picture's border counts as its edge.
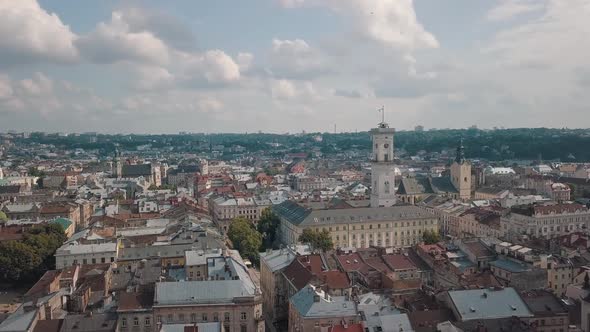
(292, 65)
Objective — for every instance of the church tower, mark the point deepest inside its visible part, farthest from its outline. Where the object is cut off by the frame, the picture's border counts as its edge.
(461, 173)
(382, 168)
(117, 166)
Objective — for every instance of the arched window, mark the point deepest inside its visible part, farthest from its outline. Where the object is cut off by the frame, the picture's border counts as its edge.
(387, 187)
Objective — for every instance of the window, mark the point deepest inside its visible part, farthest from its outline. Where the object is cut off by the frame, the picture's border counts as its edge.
(84, 261)
(170, 318)
(193, 318)
(112, 259)
(204, 317)
(94, 261)
(181, 317)
(159, 319)
(103, 260)
(216, 317)
(226, 316)
(135, 321)
(243, 328)
(148, 321)
(123, 322)
(243, 316)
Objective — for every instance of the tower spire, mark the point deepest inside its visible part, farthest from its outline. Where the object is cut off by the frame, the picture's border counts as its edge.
(460, 157)
(382, 124)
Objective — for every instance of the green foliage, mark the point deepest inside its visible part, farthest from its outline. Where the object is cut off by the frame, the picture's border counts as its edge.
(430, 237)
(268, 226)
(33, 171)
(317, 240)
(28, 259)
(245, 238)
(3, 216)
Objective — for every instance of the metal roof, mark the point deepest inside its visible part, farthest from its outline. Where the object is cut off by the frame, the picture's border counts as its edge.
(488, 304)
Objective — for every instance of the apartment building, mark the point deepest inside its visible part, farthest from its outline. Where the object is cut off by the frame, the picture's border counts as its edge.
(228, 296)
(545, 221)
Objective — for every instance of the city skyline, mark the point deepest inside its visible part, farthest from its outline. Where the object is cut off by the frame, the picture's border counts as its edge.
(291, 65)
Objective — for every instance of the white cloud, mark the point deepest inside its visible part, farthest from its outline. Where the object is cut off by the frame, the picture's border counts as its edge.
(552, 39)
(220, 67)
(5, 87)
(295, 59)
(297, 91)
(244, 61)
(508, 9)
(30, 34)
(390, 22)
(39, 85)
(152, 77)
(114, 41)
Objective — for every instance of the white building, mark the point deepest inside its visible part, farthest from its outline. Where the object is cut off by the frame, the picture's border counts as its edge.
(72, 253)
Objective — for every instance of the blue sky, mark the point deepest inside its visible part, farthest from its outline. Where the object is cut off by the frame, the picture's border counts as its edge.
(292, 65)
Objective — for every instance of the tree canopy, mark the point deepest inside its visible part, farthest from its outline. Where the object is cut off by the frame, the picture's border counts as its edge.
(430, 237)
(317, 240)
(245, 238)
(29, 258)
(268, 227)
(3, 216)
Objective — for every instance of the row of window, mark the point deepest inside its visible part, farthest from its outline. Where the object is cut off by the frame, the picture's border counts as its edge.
(362, 227)
(203, 318)
(93, 261)
(147, 322)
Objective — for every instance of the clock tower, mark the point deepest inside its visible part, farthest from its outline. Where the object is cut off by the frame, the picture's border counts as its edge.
(382, 167)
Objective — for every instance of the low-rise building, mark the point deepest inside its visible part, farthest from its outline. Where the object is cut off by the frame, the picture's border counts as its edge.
(228, 296)
(72, 253)
(311, 309)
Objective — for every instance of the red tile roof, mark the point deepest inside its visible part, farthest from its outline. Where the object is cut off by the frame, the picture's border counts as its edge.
(335, 279)
(350, 262)
(398, 262)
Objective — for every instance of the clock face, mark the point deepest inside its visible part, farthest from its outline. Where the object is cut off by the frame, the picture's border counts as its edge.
(386, 145)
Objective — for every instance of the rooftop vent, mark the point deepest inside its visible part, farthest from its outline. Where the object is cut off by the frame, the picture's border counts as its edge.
(472, 309)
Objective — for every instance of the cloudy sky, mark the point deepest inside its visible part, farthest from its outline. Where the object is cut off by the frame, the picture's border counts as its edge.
(292, 65)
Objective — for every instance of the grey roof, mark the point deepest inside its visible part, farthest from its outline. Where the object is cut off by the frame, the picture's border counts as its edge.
(21, 320)
(413, 186)
(298, 215)
(201, 292)
(208, 291)
(171, 250)
(442, 185)
(277, 260)
(136, 170)
(396, 323)
(510, 265)
(335, 306)
(434, 185)
(488, 304)
(291, 211)
(95, 322)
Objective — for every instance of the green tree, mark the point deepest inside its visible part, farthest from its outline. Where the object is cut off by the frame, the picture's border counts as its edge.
(30, 257)
(18, 261)
(317, 240)
(267, 227)
(3, 216)
(245, 238)
(430, 237)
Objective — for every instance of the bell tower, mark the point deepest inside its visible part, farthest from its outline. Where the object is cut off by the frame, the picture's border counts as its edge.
(461, 173)
(382, 167)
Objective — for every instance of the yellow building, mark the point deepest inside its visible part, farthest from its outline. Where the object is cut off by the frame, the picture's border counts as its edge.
(396, 226)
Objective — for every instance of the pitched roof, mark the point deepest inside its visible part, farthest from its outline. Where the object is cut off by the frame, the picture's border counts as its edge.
(414, 186)
(136, 170)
